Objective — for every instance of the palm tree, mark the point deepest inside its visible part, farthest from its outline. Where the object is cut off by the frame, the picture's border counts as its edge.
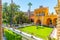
(29, 4)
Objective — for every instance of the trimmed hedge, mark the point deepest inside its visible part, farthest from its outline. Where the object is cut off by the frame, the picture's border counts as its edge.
(10, 35)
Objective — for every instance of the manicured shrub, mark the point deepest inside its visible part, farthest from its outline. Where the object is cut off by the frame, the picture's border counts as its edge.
(10, 35)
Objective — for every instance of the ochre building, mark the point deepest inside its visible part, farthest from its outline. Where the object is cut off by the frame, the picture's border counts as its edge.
(42, 16)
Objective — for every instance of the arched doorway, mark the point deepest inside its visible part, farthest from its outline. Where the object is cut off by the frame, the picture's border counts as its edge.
(38, 22)
(49, 22)
(55, 21)
(32, 20)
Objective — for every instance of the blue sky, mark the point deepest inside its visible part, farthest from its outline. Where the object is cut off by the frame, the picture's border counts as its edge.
(35, 4)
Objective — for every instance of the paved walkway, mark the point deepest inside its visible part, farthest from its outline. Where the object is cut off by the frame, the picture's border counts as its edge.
(54, 33)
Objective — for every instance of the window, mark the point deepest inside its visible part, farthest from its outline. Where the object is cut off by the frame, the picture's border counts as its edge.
(37, 15)
(40, 14)
(43, 13)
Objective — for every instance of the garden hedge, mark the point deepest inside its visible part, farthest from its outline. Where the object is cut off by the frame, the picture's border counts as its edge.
(10, 35)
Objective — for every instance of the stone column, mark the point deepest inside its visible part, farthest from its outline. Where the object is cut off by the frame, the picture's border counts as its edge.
(1, 20)
(58, 2)
(58, 27)
(57, 8)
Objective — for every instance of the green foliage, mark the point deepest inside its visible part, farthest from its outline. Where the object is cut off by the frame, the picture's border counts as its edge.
(9, 11)
(54, 39)
(11, 35)
(29, 4)
(12, 14)
(20, 18)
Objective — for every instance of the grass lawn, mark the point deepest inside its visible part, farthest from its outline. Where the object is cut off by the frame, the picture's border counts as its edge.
(10, 35)
(41, 32)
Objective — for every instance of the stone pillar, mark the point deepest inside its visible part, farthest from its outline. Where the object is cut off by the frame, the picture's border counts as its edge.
(57, 8)
(58, 27)
(58, 2)
(1, 20)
